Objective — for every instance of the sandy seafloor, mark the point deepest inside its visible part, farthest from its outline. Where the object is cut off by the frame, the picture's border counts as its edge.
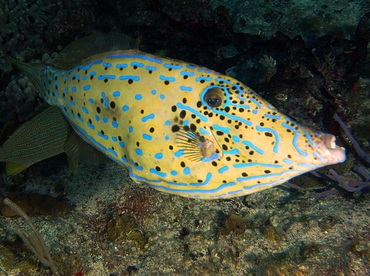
(287, 232)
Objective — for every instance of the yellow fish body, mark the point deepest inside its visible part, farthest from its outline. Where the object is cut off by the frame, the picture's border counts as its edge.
(181, 128)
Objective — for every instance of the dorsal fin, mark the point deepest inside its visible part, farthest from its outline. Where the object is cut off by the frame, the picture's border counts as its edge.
(91, 45)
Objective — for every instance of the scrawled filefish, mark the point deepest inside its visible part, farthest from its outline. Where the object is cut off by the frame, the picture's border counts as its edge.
(181, 128)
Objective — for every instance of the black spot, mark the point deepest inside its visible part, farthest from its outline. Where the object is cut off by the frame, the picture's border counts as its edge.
(130, 81)
(135, 67)
(184, 100)
(138, 144)
(112, 104)
(251, 152)
(267, 171)
(170, 147)
(119, 138)
(182, 114)
(268, 134)
(185, 77)
(262, 124)
(193, 127)
(224, 147)
(220, 133)
(244, 174)
(173, 108)
(175, 128)
(151, 130)
(91, 77)
(158, 169)
(142, 111)
(199, 104)
(214, 163)
(98, 109)
(166, 82)
(182, 164)
(105, 80)
(102, 132)
(150, 71)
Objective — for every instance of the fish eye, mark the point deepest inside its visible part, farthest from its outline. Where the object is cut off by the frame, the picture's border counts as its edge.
(214, 97)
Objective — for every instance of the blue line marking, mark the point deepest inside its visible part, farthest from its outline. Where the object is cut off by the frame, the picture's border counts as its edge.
(221, 79)
(146, 118)
(152, 68)
(179, 153)
(288, 161)
(129, 77)
(138, 64)
(97, 118)
(162, 97)
(186, 88)
(122, 144)
(173, 172)
(121, 65)
(116, 94)
(310, 139)
(164, 78)
(204, 131)
(90, 126)
(257, 164)
(272, 116)
(107, 64)
(125, 108)
(147, 137)
(270, 175)
(256, 102)
(186, 170)
(74, 89)
(223, 169)
(115, 124)
(201, 116)
(138, 97)
(276, 135)
(250, 144)
(84, 109)
(86, 87)
(172, 66)
(168, 122)
(191, 66)
(308, 165)
(162, 174)
(233, 151)
(76, 76)
(295, 138)
(158, 155)
(154, 92)
(105, 120)
(203, 78)
(103, 136)
(66, 90)
(184, 73)
(130, 128)
(224, 129)
(72, 103)
(139, 152)
(102, 77)
(105, 101)
(255, 111)
(155, 60)
(322, 159)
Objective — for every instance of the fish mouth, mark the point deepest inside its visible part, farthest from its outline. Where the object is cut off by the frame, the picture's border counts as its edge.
(330, 151)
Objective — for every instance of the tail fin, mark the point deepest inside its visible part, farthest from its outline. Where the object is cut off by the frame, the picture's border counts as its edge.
(31, 70)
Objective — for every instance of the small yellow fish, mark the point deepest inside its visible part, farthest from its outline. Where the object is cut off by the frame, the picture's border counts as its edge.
(181, 128)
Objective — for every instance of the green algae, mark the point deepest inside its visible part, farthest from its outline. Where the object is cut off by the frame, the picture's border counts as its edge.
(233, 223)
(124, 228)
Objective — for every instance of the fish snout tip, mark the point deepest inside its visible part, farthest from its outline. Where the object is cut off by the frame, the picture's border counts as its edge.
(331, 151)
